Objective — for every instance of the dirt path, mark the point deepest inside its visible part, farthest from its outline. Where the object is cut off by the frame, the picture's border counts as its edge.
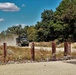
(42, 68)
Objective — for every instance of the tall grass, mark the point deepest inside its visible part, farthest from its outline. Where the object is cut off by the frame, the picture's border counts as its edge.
(48, 44)
(20, 54)
(43, 44)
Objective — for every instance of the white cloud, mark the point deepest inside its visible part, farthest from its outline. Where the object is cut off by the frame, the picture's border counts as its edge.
(23, 25)
(23, 5)
(7, 6)
(1, 19)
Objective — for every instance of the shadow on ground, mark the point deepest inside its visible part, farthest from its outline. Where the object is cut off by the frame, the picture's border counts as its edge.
(71, 62)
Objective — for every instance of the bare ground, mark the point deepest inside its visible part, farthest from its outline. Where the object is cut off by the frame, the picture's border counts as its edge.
(40, 68)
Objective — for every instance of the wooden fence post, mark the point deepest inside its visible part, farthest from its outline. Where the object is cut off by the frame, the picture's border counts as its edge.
(32, 51)
(65, 48)
(53, 50)
(5, 51)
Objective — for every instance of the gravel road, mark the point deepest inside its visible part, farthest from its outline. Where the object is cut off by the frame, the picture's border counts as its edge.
(40, 68)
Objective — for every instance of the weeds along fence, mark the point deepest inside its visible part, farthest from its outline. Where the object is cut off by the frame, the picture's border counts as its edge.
(10, 53)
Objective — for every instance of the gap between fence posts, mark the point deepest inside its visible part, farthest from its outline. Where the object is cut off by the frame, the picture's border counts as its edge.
(5, 51)
(32, 51)
(69, 48)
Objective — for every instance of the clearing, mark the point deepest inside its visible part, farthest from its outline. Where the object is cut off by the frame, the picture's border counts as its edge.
(67, 67)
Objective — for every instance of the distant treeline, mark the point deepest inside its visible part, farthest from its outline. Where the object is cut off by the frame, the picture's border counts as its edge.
(59, 24)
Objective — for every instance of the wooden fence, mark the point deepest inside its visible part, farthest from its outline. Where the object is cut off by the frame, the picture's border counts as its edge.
(67, 50)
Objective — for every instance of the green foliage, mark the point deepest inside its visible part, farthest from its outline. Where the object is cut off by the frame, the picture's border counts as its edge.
(66, 13)
(60, 24)
(44, 27)
(15, 30)
(31, 33)
(47, 15)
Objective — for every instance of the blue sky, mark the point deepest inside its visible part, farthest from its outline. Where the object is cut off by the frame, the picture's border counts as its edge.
(25, 12)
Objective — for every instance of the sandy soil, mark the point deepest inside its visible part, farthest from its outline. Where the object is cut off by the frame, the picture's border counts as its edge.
(41, 68)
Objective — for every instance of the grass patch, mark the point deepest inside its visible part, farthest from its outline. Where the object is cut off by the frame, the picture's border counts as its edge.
(20, 54)
(73, 54)
(60, 45)
(59, 54)
(42, 55)
(43, 44)
(48, 44)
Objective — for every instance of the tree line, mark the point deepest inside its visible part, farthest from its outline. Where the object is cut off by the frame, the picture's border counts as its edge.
(59, 24)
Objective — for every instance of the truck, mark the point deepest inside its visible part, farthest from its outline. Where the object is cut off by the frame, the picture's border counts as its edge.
(22, 40)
